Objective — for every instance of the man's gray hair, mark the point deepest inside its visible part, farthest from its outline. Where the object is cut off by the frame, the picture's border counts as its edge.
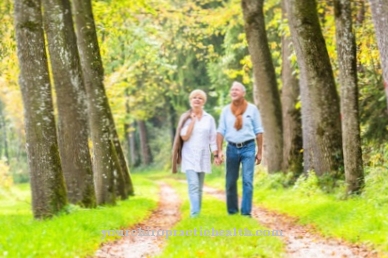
(240, 85)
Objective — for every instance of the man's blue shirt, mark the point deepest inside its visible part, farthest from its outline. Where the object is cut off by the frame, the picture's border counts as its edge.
(251, 124)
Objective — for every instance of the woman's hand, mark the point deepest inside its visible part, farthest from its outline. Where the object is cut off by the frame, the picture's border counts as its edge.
(193, 116)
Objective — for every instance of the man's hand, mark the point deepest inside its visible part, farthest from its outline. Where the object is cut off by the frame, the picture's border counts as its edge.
(258, 158)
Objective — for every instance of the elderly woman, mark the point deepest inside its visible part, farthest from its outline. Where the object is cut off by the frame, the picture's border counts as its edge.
(195, 138)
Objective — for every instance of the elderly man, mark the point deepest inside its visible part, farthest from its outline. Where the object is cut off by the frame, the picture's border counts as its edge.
(240, 125)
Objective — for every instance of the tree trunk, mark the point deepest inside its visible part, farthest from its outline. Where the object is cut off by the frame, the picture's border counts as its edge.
(130, 135)
(172, 120)
(1, 130)
(320, 103)
(292, 121)
(122, 162)
(351, 140)
(47, 182)
(89, 35)
(360, 13)
(379, 15)
(133, 156)
(4, 139)
(71, 103)
(6, 151)
(307, 129)
(98, 106)
(145, 150)
(265, 81)
(120, 186)
(172, 125)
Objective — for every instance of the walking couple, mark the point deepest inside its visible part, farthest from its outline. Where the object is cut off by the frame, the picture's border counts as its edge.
(240, 125)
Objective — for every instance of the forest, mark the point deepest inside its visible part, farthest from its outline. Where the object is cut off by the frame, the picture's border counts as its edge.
(91, 95)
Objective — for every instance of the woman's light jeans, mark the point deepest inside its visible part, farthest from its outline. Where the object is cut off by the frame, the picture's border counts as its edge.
(195, 184)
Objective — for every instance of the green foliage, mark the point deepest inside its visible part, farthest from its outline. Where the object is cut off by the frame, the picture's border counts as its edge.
(161, 145)
(5, 178)
(264, 180)
(18, 168)
(306, 184)
(375, 156)
(373, 109)
(131, 55)
(375, 159)
(11, 110)
(376, 184)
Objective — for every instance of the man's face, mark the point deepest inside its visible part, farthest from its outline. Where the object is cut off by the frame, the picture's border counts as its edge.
(236, 92)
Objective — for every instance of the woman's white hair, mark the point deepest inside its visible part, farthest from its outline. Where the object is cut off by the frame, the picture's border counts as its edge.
(198, 92)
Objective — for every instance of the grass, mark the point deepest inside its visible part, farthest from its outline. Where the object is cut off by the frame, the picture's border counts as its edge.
(76, 234)
(359, 219)
(213, 218)
(354, 220)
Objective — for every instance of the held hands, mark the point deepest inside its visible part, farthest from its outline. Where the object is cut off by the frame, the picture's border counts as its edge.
(219, 158)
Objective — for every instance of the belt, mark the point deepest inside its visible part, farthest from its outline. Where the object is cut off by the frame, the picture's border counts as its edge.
(241, 144)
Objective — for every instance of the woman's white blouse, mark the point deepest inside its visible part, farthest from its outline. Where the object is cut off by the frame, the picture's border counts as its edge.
(196, 150)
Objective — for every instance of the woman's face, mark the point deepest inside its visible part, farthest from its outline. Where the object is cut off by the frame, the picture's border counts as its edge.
(197, 101)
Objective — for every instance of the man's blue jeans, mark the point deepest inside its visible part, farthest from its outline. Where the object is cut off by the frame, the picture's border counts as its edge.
(195, 185)
(234, 157)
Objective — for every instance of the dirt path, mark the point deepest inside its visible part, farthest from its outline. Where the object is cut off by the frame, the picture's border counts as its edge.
(148, 243)
(301, 241)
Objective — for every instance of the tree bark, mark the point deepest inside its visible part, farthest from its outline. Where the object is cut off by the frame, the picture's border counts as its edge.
(122, 161)
(379, 15)
(131, 141)
(130, 135)
(172, 120)
(1, 129)
(99, 110)
(265, 82)
(47, 182)
(351, 140)
(145, 150)
(71, 102)
(120, 184)
(320, 103)
(360, 13)
(4, 138)
(92, 63)
(292, 121)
